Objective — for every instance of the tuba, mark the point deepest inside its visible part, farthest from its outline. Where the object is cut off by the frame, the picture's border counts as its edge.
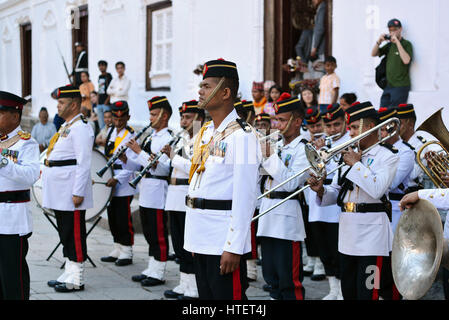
(418, 244)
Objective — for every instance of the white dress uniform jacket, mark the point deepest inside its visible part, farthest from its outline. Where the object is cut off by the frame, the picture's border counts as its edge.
(15, 218)
(329, 214)
(365, 234)
(440, 199)
(60, 184)
(153, 192)
(232, 177)
(176, 194)
(285, 221)
(123, 176)
(402, 177)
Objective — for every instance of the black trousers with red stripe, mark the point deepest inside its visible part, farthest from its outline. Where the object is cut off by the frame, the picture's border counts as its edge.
(254, 241)
(214, 286)
(177, 226)
(154, 227)
(120, 220)
(367, 278)
(282, 268)
(326, 238)
(72, 233)
(14, 272)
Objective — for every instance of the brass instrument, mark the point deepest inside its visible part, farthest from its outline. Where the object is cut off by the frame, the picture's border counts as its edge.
(418, 244)
(418, 250)
(437, 161)
(319, 158)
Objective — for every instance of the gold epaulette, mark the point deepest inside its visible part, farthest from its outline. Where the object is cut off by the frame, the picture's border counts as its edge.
(24, 135)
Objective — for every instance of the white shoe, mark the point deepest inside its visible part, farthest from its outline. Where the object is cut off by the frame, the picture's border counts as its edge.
(251, 266)
(191, 288)
(125, 252)
(334, 289)
(340, 294)
(156, 269)
(180, 289)
(318, 271)
(309, 267)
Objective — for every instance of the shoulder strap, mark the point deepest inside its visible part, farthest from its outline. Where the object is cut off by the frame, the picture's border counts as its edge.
(304, 141)
(245, 126)
(130, 129)
(389, 147)
(422, 139)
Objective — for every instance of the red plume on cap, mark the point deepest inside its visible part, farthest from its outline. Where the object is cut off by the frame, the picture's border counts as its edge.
(355, 103)
(309, 111)
(119, 104)
(383, 109)
(402, 105)
(329, 107)
(221, 59)
(284, 96)
(244, 101)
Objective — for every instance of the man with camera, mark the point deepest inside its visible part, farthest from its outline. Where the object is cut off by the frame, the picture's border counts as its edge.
(399, 54)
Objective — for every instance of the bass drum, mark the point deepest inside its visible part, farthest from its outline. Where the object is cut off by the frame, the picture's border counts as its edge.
(101, 193)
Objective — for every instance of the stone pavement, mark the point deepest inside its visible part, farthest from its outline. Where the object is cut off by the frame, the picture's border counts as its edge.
(108, 282)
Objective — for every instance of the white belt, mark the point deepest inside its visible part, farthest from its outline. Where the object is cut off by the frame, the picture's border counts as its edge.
(81, 69)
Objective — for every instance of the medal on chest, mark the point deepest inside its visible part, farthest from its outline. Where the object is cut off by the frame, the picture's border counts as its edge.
(12, 155)
(287, 159)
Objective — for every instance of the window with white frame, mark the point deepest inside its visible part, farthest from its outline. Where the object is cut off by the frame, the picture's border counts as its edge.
(159, 45)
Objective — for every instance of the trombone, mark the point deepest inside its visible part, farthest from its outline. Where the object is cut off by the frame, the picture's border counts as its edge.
(319, 159)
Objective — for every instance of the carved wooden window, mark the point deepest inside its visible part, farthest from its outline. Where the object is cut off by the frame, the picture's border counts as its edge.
(159, 46)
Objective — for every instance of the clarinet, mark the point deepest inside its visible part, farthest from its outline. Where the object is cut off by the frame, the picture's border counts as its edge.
(120, 153)
(174, 141)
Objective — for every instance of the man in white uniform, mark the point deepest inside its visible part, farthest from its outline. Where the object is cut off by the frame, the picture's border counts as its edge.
(281, 230)
(153, 191)
(365, 236)
(67, 186)
(19, 170)
(325, 220)
(180, 162)
(223, 187)
(119, 210)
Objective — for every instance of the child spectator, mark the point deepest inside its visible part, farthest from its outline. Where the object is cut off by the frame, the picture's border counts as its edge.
(329, 83)
(347, 99)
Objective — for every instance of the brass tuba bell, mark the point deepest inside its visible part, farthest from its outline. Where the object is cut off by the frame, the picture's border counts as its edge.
(418, 244)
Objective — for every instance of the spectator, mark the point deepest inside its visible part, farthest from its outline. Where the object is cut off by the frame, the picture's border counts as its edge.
(43, 131)
(273, 95)
(119, 87)
(319, 33)
(88, 115)
(347, 99)
(94, 100)
(86, 88)
(100, 140)
(267, 86)
(259, 99)
(329, 83)
(104, 80)
(399, 56)
(308, 99)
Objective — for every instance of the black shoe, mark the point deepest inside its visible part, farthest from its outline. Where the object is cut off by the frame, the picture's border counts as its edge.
(64, 289)
(266, 287)
(183, 297)
(123, 262)
(307, 273)
(170, 294)
(151, 282)
(318, 277)
(139, 278)
(171, 257)
(177, 260)
(108, 259)
(53, 283)
(259, 262)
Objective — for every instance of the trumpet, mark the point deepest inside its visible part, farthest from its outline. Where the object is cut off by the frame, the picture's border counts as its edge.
(114, 158)
(270, 137)
(174, 141)
(319, 158)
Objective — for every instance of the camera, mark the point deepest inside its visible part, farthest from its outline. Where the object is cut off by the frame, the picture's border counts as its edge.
(387, 37)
